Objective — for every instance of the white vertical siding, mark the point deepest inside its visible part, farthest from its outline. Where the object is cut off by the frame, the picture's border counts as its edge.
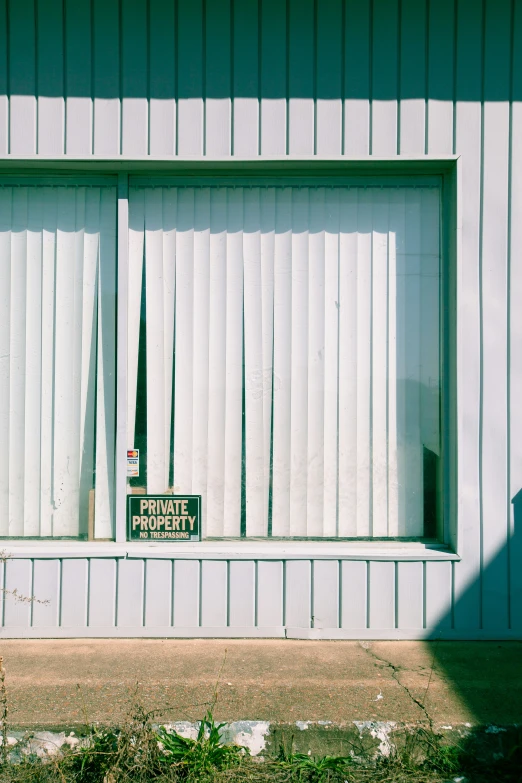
(409, 78)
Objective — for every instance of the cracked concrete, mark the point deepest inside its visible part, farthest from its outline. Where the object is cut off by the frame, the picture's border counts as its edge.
(67, 683)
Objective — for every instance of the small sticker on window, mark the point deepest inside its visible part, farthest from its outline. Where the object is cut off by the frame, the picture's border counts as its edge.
(133, 462)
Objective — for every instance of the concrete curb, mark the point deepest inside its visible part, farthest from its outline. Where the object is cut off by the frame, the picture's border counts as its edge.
(364, 740)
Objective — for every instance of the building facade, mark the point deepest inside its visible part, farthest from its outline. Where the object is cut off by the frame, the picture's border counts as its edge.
(265, 253)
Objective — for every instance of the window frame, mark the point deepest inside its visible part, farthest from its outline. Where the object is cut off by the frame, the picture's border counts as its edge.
(396, 171)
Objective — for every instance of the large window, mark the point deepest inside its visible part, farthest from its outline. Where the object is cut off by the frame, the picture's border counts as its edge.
(284, 356)
(57, 360)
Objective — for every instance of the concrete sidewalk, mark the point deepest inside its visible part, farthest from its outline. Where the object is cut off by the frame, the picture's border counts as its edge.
(68, 682)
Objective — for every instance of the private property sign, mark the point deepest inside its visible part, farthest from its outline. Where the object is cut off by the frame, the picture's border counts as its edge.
(164, 517)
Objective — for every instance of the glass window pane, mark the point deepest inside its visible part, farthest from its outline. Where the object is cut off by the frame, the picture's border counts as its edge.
(57, 361)
(284, 357)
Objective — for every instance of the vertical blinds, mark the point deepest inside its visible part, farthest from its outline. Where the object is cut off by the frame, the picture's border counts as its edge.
(292, 354)
(57, 359)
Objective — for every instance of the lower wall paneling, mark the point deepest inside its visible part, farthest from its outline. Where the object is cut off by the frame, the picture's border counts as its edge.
(308, 599)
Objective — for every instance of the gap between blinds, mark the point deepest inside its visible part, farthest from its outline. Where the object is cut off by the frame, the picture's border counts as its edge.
(284, 356)
(57, 359)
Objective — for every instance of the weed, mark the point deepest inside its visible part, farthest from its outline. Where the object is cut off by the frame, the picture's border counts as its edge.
(200, 756)
(311, 768)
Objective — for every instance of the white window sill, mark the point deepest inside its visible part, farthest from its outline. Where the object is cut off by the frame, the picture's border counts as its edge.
(232, 550)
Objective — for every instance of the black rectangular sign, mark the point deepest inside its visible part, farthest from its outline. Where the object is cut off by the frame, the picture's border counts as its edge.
(164, 517)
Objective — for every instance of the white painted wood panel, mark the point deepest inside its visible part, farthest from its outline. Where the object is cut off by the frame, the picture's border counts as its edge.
(297, 587)
(245, 130)
(18, 582)
(162, 69)
(78, 82)
(494, 280)
(325, 608)
(241, 594)
(129, 592)
(214, 593)
(106, 77)
(515, 326)
(158, 593)
(329, 61)
(190, 109)
(218, 114)
(384, 111)
(269, 593)
(381, 595)
(273, 119)
(468, 138)
(412, 76)
(102, 592)
(410, 595)
(353, 594)
(301, 109)
(50, 72)
(441, 75)
(438, 586)
(134, 66)
(186, 598)
(74, 593)
(357, 64)
(22, 78)
(4, 87)
(46, 588)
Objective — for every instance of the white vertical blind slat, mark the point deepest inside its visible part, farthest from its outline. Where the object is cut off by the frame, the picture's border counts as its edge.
(282, 359)
(268, 218)
(136, 245)
(331, 362)
(17, 362)
(201, 343)
(299, 362)
(64, 493)
(169, 204)
(379, 368)
(5, 336)
(234, 364)
(256, 522)
(48, 324)
(411, 518)
(33, 357)
(316, 364)
(184, 342)
(393, 315)
(364, 357)
(347, 390)
(157, 469)
(89, 292)
(217, 362)
(106, 370)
